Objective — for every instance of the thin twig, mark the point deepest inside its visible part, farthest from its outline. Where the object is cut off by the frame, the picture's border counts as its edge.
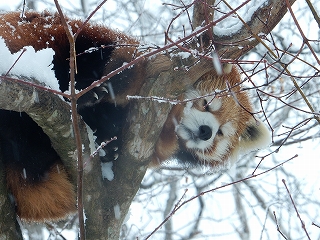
(16, 80)
(75, 122)
(285, 66)
(278, 227)
(179, 205)
(102, 145)
(88, 18)
(295, 207)
(15, 62)
(305, 40)
(51, 227)
(316, 225)
(152, 53)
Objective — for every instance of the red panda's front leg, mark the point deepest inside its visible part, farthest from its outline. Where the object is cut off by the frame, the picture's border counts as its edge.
(167, 143)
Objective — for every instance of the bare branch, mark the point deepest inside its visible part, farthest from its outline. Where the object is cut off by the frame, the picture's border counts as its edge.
(262, 21)
(295, 207)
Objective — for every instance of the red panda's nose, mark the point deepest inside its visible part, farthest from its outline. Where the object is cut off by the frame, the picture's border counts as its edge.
(205, 132)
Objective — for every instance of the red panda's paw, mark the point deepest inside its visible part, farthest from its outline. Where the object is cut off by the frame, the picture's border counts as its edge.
(167, 144)
(51, 199)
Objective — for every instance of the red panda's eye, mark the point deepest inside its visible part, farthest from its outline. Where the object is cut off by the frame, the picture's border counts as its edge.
(219, 132)
(206, 105)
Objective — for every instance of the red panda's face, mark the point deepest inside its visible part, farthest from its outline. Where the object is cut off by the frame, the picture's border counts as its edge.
(209, 128)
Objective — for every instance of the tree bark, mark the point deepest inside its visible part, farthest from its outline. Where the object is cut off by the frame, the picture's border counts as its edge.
(9, 227)
(142, 131)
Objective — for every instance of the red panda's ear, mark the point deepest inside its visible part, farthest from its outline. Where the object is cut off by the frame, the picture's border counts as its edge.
(255, 136)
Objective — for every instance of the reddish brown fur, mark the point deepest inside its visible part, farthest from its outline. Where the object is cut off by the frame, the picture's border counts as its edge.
(45, 30)
(51, 199)
(236, 106)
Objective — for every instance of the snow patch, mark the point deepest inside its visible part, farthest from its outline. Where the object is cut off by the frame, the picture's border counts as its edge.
(232, 24)
(117, 212)
(107, 172)
(32, 64)
(184, 55)
(91, 138)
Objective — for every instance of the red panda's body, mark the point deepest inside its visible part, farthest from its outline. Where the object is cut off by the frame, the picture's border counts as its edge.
(35, 175)
(205, 131)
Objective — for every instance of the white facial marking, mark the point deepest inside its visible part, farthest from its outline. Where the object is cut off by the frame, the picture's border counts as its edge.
(192, 94)
(228, 129)
(214, 103)
(188, 128)
(222, 148)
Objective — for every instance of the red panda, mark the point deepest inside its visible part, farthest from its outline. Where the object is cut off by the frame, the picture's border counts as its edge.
(211, 129)
(35, 175)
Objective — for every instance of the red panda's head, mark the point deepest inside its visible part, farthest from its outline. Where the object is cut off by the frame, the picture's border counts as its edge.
(212, 128)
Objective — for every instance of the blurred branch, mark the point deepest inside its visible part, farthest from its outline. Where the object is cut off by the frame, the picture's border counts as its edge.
(181, 203)
(195, 228)
(244, 230)
(314, 12)
(262, 203)
(295, 207)
(170, 203)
